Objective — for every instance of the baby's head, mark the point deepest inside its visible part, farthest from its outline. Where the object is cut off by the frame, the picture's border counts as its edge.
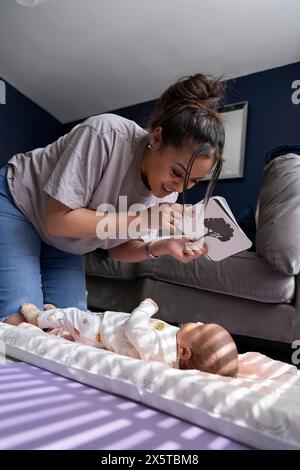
(207, 347)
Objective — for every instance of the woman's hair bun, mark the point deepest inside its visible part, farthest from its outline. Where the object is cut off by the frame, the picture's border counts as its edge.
(205, 88)
(196, 91)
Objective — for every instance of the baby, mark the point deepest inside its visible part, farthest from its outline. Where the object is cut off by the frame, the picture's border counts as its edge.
(205, 347)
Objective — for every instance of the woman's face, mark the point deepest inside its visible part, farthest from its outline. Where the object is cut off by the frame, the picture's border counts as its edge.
(163, 168)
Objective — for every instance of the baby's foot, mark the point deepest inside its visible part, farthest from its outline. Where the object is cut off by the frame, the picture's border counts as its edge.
(49, 306)
(31, 313)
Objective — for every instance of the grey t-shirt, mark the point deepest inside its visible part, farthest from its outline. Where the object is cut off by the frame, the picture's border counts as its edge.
(95, 163)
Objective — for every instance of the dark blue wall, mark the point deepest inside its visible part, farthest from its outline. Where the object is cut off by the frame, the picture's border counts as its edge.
(24, 125)
(272, 120)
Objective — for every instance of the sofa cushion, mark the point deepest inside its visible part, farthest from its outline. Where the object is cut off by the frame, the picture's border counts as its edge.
(244, 275)
(99, 264)
(278, 229)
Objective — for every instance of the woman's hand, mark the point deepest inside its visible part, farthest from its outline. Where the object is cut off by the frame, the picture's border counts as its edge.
(165, 216)
(182, 249)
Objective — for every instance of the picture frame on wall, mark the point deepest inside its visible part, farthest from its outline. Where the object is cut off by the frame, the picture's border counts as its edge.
(235, 123)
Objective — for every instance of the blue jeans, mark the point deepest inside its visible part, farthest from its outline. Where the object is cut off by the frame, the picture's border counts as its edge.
(30, 270)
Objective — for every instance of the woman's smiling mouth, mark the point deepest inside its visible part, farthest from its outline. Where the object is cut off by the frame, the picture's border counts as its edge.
(166, 189)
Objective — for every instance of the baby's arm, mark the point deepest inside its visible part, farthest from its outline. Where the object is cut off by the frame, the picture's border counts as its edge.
(50, 317)
(53, 318)
(68, 318)
(138, 329)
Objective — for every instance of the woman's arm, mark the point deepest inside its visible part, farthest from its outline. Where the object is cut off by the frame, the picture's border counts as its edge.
(61, 221)
(134, 251)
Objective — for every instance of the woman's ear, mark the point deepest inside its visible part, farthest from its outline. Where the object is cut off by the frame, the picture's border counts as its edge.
(155, 138)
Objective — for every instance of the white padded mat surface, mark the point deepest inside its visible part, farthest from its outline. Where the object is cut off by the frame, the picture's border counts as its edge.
(260, 408)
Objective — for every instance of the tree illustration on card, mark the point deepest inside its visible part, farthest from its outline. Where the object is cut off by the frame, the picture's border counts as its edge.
(218, 228)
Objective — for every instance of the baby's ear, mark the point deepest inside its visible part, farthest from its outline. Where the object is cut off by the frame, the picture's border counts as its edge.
(185, 354)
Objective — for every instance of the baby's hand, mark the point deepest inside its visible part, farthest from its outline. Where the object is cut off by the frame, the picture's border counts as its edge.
(151, 301)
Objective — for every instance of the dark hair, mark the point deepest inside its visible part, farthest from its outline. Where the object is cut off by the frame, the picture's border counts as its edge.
(188, 110)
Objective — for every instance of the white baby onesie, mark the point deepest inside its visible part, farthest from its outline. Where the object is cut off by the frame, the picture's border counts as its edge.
(134, 335)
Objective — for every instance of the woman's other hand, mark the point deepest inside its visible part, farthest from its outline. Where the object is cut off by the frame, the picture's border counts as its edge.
(182, 248)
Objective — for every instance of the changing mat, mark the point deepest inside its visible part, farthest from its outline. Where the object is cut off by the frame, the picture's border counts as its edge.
(261, 407)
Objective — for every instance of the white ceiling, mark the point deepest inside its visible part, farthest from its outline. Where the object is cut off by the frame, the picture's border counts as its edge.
(76, 58)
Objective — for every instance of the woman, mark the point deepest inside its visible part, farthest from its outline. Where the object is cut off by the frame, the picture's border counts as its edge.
(49, 197)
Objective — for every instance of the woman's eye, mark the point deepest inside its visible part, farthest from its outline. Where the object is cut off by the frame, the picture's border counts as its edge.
(177, 174)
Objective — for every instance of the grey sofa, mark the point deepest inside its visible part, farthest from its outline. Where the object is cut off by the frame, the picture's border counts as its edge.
(252, 294)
